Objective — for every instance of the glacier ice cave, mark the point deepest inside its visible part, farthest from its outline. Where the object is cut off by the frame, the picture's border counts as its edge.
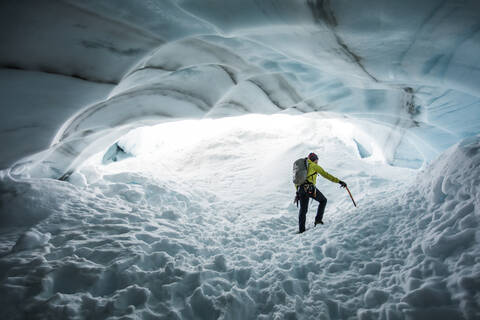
(147, 149)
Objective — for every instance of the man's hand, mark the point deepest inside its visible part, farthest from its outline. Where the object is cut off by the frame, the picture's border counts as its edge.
(297, 198)
(342, 184)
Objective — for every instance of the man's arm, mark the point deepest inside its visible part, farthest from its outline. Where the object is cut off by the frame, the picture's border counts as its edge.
(324, 173)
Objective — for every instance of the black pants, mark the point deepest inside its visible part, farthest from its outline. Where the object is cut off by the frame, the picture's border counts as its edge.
(304, 196)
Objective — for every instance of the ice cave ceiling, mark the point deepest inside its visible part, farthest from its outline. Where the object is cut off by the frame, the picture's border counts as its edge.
(75, 75)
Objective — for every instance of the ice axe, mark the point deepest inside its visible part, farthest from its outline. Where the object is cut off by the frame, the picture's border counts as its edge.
(351, 196)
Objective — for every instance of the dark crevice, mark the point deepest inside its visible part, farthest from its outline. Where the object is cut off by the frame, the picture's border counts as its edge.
(156, 67)
(410, 100)
(323, 13)
(410, 107)
(296, 107)
(88, 132)
(267, 93)
(115, 153)
(287, 88)
(401, 124)
(229, 72)
(314, 107)
(309, 104)
(353, 56)
(55, 72)
(66, 175)
(236, 104)
(111, 48)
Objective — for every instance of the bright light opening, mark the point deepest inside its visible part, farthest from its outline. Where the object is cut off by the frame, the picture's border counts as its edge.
(237, 155)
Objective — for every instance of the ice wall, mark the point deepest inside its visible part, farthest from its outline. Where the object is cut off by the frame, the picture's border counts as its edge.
(407, 71)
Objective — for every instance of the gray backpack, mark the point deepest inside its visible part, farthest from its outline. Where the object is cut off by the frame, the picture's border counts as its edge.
(300, 169)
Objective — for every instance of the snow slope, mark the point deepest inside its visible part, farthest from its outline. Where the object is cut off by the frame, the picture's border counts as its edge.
(202, 227)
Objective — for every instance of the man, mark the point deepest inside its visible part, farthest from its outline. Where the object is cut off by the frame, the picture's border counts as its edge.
(308, 190)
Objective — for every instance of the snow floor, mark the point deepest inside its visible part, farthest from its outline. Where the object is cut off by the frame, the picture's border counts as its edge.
(199, 224)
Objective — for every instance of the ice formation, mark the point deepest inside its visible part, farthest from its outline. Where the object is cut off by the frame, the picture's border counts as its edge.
(409, 70)
(147, 150)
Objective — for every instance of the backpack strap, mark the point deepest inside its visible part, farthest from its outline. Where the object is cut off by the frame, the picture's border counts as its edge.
(306, 165)
(312, 175)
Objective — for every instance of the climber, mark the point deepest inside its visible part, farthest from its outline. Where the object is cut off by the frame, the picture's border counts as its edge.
(307, 190)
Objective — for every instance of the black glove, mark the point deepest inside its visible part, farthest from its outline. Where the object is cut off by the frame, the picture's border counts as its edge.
(342, 184)
(297, 198)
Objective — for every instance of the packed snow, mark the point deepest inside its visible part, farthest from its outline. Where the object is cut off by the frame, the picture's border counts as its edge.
(198, 222)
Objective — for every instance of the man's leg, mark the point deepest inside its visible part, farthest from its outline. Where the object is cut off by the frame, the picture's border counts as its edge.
(322, 202)
(302, 213)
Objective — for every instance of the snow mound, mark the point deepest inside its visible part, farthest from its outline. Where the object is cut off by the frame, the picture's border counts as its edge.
(30, 240)
(444, 258)
(19, 201)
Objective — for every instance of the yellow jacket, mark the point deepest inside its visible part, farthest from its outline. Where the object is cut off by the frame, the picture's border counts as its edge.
(312, 171)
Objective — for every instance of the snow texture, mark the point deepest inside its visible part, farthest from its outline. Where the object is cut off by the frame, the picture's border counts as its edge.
(202, 227)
